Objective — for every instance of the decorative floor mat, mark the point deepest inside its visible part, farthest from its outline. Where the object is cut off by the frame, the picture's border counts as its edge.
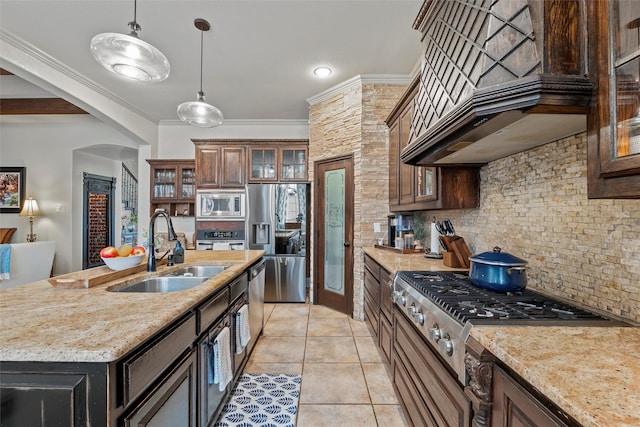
(262, 400)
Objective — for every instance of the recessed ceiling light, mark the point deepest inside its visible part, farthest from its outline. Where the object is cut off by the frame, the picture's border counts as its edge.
(322, 72)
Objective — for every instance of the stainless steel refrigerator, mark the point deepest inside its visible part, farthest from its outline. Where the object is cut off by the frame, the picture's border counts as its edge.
(277, 223)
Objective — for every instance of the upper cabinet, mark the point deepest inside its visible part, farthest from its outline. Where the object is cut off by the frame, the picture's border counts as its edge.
(220, 166)
(233, 163)
(293, 163)
(173, 186)
(613, 123)
(277, 162)
(424, 187)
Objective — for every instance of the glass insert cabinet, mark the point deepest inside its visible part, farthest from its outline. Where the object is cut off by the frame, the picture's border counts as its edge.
(613, 123)
(173, 186)
(278, 163)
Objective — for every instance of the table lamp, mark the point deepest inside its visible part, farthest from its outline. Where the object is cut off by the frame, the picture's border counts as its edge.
(30, 209)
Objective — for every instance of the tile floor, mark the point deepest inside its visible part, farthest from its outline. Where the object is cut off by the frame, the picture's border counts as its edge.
(344, 381)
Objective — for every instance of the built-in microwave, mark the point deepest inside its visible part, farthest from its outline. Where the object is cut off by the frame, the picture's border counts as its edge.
(220, 204)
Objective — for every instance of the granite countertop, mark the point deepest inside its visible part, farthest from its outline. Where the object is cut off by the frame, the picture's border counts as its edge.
(394, 261)
(592, 373)
(43, 323)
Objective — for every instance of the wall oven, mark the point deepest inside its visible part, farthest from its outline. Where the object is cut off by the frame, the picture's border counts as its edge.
(226, 240)
(220, 204)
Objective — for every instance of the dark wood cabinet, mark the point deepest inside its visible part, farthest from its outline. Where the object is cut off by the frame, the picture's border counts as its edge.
(414, 188)
(429, 395)
(208, 161)
(613, 121)
(372, 295)
(263, 164)
(220, 167)
(53, 394)
(293, 163)
(173, 186)
(278, 163)
(501, 398)
(233, 167)
(172, 402)
(231, 163)
(378, 307)
(513, 406)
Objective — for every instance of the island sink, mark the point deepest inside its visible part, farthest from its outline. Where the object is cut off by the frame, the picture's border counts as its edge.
(197, 271)
(162, 284)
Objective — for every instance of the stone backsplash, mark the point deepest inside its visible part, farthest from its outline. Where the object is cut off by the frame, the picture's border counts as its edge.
(534, 205)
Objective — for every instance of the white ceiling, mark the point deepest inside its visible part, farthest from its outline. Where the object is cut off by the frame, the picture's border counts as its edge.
(259, 55)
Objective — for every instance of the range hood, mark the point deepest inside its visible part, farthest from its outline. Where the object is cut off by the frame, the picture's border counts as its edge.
(498, 77)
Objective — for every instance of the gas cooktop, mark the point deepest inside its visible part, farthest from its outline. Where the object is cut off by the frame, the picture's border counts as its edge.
(453, 292)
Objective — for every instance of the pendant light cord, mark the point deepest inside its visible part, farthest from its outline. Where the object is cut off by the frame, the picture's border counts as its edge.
(134, 24)
(201, 55)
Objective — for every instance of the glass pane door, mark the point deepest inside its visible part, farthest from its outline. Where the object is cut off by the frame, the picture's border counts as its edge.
(334, 250)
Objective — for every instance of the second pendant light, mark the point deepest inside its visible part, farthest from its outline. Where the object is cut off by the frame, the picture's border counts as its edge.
(198, 112)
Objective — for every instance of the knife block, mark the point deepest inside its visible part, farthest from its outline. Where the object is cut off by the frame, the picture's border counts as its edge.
(457, 254)
(451, 260)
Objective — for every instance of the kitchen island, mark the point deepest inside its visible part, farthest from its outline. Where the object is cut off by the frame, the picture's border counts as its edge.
(591, 373)
(98, 346)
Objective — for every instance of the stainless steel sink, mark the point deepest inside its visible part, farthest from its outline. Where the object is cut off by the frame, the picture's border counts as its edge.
(197, 271)
(162, 284)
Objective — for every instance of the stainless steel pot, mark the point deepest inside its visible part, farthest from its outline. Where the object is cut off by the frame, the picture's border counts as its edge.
(498, 271)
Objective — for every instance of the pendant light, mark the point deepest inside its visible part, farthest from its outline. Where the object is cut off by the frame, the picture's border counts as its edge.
(199, 113)
(129, 56)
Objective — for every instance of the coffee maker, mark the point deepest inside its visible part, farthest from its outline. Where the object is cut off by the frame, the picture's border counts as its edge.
(391, 227)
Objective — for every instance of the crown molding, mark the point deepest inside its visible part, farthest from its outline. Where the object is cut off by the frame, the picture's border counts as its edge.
(389, 79)
(246, 122)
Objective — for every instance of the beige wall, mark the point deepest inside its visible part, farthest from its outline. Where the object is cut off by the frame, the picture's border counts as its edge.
(352, 122)
(534, 205)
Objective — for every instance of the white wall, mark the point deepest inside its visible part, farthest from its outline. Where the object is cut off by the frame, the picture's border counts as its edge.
(45, 146)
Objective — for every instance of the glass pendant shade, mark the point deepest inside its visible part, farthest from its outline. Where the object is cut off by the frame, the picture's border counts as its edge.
(199, 113)
(130, 57)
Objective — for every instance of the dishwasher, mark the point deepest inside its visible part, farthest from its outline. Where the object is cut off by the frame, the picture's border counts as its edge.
(256, 301)
(213, 320)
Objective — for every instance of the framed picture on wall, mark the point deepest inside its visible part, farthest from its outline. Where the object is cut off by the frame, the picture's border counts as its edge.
(12, 185)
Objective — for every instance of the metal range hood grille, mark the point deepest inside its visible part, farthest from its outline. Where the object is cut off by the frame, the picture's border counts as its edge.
(487, 66)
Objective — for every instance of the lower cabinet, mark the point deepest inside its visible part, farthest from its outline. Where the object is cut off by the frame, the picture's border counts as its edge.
(428, 393)
(53, 394)
(502, 399)
(513, 406)
(172, 402)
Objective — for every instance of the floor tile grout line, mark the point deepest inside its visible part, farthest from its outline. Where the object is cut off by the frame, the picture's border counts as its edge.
(360, 362)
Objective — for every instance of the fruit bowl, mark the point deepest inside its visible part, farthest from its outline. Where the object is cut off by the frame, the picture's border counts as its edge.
(122, 262)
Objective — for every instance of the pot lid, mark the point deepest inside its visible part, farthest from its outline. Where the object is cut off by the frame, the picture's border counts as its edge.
(496, 257)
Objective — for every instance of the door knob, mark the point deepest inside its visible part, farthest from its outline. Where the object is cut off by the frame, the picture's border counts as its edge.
(347, 244)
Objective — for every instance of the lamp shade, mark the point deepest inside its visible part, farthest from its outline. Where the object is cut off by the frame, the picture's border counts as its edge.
(130, 57)
(199, 113)
(30, 208)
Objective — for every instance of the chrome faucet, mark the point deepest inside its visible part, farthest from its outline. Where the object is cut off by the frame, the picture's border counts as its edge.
(151, 260)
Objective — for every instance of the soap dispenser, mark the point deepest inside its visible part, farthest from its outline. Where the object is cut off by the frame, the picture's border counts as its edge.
(178, 253)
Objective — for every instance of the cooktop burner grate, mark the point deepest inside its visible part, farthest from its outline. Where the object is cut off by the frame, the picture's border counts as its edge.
(454, 293)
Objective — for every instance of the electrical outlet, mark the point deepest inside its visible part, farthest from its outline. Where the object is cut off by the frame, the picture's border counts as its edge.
(376, 227)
